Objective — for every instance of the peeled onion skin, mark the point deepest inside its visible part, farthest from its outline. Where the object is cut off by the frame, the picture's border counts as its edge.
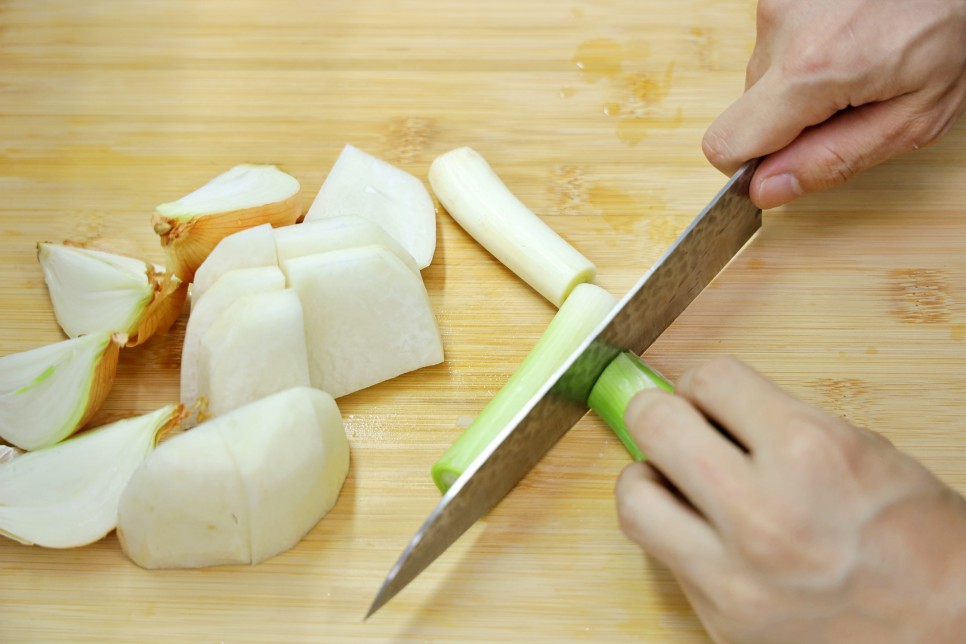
(187, 240)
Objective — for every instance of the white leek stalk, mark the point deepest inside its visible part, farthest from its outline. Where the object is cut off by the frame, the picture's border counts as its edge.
(479, 201)
(48, 393)
(94, 291)
(243, 197)
(67, 495)
(621, 380)
(580, 314)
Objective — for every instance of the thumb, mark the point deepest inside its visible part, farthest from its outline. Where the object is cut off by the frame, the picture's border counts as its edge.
(831, 153)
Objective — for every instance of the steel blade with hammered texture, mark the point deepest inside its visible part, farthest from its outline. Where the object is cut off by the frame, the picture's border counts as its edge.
(716, 235)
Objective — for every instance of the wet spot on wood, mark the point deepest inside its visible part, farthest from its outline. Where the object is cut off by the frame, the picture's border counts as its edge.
(840, 393)
(872, 351)
(920, 295)
(636, 86)
(599, 58)
(622, 210)
(407, 138)
(957, 332)
(705, 48)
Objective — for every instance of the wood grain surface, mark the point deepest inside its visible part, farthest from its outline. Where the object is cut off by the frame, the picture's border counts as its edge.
(593, 113)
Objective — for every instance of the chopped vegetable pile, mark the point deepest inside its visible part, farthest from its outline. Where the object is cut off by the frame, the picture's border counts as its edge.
(285, 318)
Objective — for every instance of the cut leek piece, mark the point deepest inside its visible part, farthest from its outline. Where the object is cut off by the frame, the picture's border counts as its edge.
(621, 380)
(67, 495)
(94, 291)
(479, 201)
(581, 313)
(48, 393)
(244, 196)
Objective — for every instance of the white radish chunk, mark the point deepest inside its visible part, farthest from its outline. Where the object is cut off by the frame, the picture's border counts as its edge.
(367, 318)
(482, 204)
(335, 233)
(240, 488)
(363, 185)
(256, 347)
(229, 287)
(249, 248)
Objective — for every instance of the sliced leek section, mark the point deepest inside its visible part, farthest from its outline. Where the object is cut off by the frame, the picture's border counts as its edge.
(581, 313)
(67, 495)
(622, 379)
(48, 393)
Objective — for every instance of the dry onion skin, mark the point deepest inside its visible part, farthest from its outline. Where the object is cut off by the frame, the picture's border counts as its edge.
(48, 393)
(245, 196)
(94, 291)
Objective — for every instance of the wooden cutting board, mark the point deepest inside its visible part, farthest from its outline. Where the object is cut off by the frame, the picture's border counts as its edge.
(593, 113)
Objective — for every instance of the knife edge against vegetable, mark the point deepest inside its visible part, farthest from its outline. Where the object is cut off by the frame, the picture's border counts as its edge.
(702, 251)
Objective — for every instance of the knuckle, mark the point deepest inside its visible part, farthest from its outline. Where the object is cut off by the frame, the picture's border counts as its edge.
(839, 167)
(742, 602)
(809, 61)
(655, 415)
(706, 379)
(766, 536)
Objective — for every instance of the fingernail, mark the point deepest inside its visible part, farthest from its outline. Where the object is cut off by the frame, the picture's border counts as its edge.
(778, 190)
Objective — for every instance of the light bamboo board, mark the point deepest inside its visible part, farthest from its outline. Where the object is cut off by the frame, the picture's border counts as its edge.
(855, 299)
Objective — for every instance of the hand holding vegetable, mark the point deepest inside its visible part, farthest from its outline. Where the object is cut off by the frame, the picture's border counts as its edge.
(837, 86)
(816, 531)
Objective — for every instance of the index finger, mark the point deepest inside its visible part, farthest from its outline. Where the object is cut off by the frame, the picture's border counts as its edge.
(768, 116)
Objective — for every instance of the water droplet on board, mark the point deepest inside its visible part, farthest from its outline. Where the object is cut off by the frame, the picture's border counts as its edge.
(599, 58)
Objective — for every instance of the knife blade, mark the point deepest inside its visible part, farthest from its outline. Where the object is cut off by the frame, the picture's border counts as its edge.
(702, 251)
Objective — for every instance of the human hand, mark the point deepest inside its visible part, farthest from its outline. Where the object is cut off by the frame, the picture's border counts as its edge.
(816, 531)
(837, 86)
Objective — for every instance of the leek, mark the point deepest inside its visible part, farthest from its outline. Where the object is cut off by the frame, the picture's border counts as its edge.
(481, 203)
(581, 313)
(624, 377)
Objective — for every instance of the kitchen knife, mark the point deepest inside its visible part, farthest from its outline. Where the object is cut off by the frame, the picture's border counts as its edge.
(716, 235)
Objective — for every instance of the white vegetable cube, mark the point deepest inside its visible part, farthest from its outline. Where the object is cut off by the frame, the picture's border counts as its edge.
(367, 318)
(240, 488)
(363, 185)
(186, 507)
(286, 500)
(248, 248)
(335, 233)
(256, 347)
(228, 288)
